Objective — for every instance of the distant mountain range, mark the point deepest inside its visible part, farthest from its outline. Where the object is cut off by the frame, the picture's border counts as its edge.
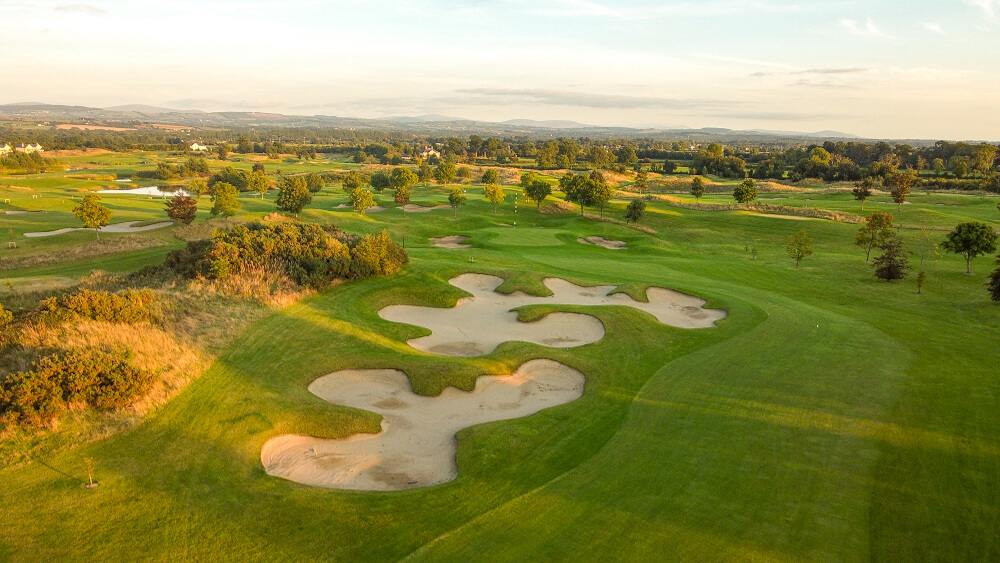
(133, 115)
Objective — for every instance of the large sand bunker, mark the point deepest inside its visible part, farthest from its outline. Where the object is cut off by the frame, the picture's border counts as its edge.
(125, 227)
(476, 325)
(453, 242)
(605, 243)
(152, 190)
(413, 208)
(417, 445)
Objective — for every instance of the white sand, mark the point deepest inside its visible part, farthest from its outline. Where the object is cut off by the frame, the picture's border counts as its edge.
(12, 212)
(373, 209)
(453, 242)
(125, 227)
(478, 324)
(412, 208)
(417, 445)
(603, 242)
(152, 190)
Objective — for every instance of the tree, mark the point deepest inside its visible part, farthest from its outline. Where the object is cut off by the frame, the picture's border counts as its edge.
(493, 193)
(444, 173)
(921, 280)
(899, 184)
(197, 187)
(403, 194)
(537, 191)
(225, 200)
(746, 192)
(892, 264)
(601, 195)
(352, 181)
(863, 190)
(641, 181)
(314, 182)
(635, 210)
(579, 189)
(223, 151)
(361, 200)
(697, 188)
(379, 182)
(402, 178)
(293, 195)
(455, 199)
(877, 227)
(799, 246)
(259, 182)
(971, 239)
(425, 173)
(182, 208)
(528, 178)
(491, 176)
(994, 284)
(92, 214)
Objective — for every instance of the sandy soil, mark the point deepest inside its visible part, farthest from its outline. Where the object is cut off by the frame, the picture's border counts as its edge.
(603, 242)
(152, 190)
(417, 445)
(374, 209)
(12, 212)
(125, 227)
(478, 324)
(452, 242)
(412, 208)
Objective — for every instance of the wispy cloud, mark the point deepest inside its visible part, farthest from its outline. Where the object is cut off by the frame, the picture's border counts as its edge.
(851, 70)
(869, 29)
(585, 99)
(933, 27)
(989, 7)
(751, 62)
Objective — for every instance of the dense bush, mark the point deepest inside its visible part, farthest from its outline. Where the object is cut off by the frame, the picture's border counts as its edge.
(129, 306)
(308, 254)
(94, 377)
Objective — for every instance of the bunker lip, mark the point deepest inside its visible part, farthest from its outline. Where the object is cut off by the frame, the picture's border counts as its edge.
(603, 242)
(125, 227)
(417, 444)
(414, 208)
(453, 242)
(476, 325)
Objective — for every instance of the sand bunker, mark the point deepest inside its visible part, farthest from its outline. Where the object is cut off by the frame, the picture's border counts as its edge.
(125, 227)
(452, 242)
(478, 324)
(411, 208)
(152, 190)
(417, 445)
(373, 209)
(601, 241)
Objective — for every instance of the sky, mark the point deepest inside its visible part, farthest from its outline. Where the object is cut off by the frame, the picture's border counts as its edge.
(877, 68)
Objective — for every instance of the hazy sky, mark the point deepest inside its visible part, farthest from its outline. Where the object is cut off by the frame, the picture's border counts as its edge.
(890, 68)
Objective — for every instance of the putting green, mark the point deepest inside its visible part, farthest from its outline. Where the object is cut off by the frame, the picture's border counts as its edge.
(524, 236)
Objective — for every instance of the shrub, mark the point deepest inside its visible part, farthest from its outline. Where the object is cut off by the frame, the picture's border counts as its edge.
(129, 306)
(376, 255)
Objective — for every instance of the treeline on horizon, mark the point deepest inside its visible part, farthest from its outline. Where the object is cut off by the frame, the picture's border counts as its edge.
(943, 164)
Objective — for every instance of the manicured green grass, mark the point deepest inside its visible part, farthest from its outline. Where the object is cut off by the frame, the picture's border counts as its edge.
(830, 416)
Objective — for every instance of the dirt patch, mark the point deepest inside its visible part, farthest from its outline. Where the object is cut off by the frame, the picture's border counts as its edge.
(476, 325)
(77, 152)
(126, 227)
(64, 126)
(605, 243)
(453, 242)
(411, 208)
(417, 445)
(557, 208)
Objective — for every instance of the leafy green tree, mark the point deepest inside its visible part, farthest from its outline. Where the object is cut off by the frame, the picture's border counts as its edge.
(697, 188)
(182, 208)
(877, 228)
(669, 167)
(537, 191)
(456, 199)
(314, 182)
(425, 173)
(994, 283)
(402, 177)
(863, 190)
(601, 195)
(225, 200)
(971, 239)
(243, 145)
(293, 195)
(493, 193)
(361, 200)
(641, 181)
(799, 246)
(222, 151)
(892, 264)
(746, 192)
(921, 280)
(92, 214)
(635, 211)
(899, 184)
(464, 172)
(626, 155)
(259, 182)
(491, 176)
(197, 187)
(352, 181)
(580, 190)
(403, 194)
(360, 157)
(444, 173)
(379, 181)
(528, 178)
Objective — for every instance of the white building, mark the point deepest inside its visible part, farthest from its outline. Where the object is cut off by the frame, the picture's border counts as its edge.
(5, 149)
(199, 147)
(28, 148)
(429, 152)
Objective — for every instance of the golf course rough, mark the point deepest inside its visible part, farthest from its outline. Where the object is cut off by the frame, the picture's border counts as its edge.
(417, 445)
(476, 325)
